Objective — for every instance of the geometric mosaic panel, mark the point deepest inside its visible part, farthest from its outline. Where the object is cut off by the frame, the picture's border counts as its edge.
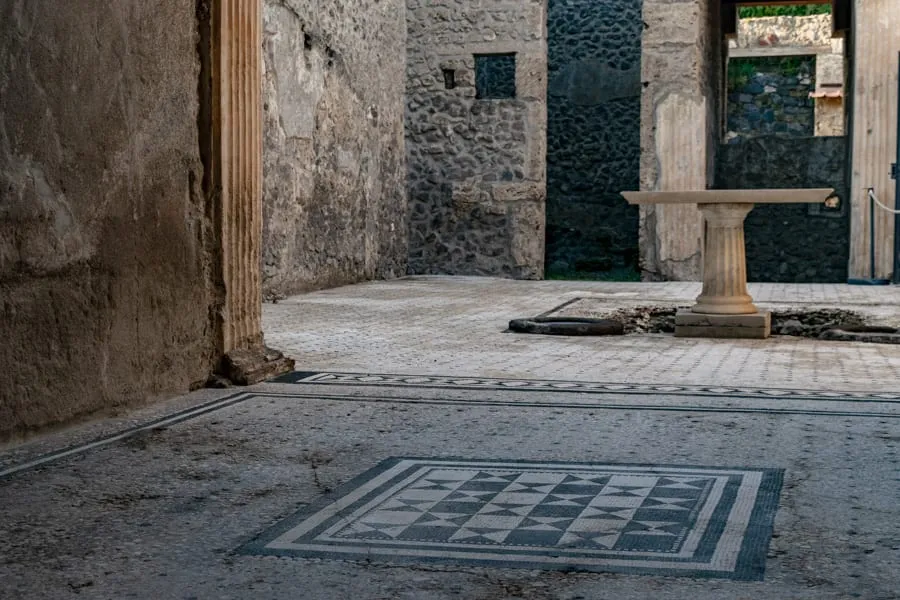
(661, 520)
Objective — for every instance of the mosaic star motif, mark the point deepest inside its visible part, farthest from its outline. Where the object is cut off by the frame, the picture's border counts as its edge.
(681, 520)
(548, 509)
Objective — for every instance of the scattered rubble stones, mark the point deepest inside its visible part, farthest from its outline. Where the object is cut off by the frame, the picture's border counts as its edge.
(813, 323)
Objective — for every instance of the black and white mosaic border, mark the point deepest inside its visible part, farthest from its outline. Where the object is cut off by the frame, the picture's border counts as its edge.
(731, 540)
(812, 403)
(548, 385)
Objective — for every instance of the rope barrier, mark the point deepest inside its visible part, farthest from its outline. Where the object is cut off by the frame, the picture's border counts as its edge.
(874, 199)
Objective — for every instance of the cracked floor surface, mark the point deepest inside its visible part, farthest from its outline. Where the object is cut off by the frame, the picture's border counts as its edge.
(154, 503)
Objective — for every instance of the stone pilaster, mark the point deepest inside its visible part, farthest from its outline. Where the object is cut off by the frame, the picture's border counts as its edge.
(725, 262)
(680, 126)
(876, 42)
(236, 187)
(237, 173)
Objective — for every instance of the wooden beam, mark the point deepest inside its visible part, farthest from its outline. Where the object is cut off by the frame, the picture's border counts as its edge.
(765, 51)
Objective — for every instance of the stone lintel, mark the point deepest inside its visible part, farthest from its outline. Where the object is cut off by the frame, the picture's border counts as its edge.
(752, 326)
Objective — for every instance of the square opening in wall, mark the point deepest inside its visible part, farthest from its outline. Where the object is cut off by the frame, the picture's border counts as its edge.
(449, 79)
(495, 76)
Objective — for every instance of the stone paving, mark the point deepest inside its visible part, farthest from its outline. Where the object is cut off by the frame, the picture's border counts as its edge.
(446, 326)
(564, 482)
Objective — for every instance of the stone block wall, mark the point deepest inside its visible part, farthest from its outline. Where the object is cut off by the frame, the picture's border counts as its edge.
(476, 172)
(107, 244)
(793, 243)
(770, 96)
(593, 134)
(334, 161)
(812, 30)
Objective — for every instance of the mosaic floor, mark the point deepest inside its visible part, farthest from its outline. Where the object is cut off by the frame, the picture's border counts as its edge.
(692, 521)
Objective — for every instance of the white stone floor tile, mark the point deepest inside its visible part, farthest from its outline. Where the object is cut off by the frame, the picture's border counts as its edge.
(455, 326)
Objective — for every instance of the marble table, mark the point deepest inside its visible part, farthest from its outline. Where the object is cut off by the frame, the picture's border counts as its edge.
(724, 308)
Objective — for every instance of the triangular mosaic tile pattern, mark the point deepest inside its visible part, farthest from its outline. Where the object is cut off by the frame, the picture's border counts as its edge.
(691, 521)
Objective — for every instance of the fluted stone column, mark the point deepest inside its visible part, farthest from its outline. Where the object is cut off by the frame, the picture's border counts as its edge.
(235, 81)
(724, 262)
(237, 139)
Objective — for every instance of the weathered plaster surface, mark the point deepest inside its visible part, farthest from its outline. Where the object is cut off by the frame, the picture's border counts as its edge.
(812, 30)
(681, 74)
(830, 117)
(105, 244)
(476, 167)
(874, 133)
(335, 167)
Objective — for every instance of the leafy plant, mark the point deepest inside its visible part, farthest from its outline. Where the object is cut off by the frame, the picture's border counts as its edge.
(803, 10)
(742, 70)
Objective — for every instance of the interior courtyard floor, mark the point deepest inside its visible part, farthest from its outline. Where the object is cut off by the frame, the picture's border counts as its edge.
(420, 452)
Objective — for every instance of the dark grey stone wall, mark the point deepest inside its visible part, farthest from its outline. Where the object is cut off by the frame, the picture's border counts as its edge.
(769, 96)
(334, 161)
(593, 133)
(792, 243)
(476, 164)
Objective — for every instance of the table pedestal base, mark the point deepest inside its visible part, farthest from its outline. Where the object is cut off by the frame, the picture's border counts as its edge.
(747, 326)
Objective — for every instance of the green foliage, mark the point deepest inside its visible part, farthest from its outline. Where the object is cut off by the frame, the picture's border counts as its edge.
(742, 70)
(801, 10)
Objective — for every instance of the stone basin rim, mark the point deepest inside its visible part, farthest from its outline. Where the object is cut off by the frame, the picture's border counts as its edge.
(764, 196)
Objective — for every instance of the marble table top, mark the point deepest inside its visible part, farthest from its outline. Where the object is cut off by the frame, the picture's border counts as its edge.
(788, 196)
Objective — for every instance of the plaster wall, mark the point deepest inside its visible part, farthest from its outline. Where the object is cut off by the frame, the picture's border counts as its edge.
(106, 243)
(876, 41)
(334, 161)
(812, 30)
(681, 120)
(476, 166)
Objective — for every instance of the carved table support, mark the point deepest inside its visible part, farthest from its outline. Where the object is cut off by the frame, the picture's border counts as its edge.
(725, 262)
(724, 308)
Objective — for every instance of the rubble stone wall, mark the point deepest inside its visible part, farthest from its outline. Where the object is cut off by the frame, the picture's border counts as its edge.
(792, 243)
(476, 167)
(593, 134)
(771, 96)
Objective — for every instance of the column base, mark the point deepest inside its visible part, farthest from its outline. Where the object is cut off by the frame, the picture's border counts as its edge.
(753, 326)
(252, 365)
